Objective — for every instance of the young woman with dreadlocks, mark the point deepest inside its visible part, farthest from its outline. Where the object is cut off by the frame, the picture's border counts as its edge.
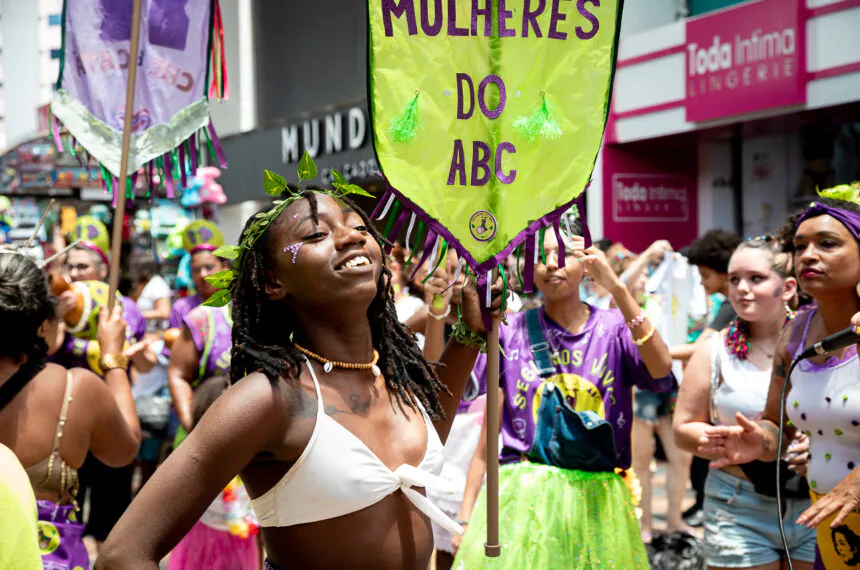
(335, 419)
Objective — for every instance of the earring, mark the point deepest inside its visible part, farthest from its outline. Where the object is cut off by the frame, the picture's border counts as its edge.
(789, 313)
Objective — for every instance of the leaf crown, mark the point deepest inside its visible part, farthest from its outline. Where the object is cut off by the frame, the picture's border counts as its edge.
(846, 192)
(277, 187)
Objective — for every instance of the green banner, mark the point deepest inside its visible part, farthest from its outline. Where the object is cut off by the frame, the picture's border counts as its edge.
(488, 114)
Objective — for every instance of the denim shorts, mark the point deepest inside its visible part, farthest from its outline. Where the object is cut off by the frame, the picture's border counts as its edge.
(742, 527)
(651, 406)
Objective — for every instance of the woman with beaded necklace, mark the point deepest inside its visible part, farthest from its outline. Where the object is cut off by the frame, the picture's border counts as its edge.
(335, 418)
(731, 373)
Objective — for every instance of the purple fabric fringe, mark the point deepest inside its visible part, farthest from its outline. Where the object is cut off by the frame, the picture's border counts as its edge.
(216, 144)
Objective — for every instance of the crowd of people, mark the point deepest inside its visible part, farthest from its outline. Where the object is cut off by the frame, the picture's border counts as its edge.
(332, 414)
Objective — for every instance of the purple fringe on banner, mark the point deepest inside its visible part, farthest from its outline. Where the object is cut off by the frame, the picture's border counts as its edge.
(150, 172)
(583, 222)
(115, 198)
(168, 176)
(561, 249)
(428, 247)
(192, 150)
(529, 269)
(216, 144)
(55, 131)
(380, 204)
(483, 285)
(395, 230)
(183, 167)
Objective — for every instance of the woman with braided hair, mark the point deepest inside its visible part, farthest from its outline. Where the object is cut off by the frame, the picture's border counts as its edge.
(335, 419)
(51, 417)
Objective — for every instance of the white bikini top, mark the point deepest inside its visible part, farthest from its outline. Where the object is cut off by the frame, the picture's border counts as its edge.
(337, 474)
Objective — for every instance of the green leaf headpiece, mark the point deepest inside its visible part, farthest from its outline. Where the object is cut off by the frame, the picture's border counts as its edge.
(276, 187)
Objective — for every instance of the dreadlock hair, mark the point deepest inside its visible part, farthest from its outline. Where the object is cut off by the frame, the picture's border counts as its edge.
(25, 304)
(263, 330)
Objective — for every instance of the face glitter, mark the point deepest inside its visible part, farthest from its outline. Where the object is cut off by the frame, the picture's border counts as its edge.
(294, 249)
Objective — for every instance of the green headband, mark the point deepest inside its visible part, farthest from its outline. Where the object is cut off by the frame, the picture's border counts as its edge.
(276, 187)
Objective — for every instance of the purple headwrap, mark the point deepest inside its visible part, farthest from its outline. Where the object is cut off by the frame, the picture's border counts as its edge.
(850, 220)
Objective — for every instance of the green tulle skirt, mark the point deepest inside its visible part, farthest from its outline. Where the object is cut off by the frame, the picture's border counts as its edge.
(552, 518)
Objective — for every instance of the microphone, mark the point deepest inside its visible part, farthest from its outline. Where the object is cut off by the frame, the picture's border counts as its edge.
(835, 341)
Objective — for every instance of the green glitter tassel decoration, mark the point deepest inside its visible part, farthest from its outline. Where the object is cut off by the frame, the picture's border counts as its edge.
(540, 123)
(405, 126)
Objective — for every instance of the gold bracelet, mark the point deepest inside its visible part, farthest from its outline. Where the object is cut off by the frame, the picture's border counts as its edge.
(646, 338)
(112, 362)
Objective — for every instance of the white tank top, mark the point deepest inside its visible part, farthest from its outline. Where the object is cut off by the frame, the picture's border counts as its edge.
(742, 387)
(824, 402)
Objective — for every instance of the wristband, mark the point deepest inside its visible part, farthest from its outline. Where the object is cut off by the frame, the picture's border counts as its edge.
(441, 317)
(646, 338)
(466, 336)
(637, 322)
(462, 522)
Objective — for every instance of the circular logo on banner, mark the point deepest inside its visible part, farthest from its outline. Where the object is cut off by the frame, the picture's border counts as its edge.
(482, 225)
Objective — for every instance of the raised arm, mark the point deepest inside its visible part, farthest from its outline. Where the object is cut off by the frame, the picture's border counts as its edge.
(458, 359)
(250, 418)
(654, 352)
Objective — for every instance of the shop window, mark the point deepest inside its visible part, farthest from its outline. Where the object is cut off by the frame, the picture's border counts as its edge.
(698, 7)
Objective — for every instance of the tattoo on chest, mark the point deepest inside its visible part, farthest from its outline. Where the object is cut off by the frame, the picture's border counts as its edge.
(359, 404)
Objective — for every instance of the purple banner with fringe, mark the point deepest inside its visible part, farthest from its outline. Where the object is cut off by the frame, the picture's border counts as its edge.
(170, 125)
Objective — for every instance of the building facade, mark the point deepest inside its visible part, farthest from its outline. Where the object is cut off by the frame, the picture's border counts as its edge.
(729, 119)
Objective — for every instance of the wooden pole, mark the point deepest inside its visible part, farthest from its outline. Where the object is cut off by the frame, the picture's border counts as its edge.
(492, 548)
(119, 213)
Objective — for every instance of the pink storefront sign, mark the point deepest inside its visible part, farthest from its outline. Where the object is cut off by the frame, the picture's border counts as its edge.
(650, 193)
(651, 198)
(745, 59)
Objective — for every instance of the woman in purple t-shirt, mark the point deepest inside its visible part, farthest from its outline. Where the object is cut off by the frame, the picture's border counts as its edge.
(575, 514)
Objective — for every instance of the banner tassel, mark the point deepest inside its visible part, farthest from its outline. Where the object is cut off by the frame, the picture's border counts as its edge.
(183, 167)
(394, 212)
(417, 241)
(586, 234)
(395, 230)
(219, 152)
(115, 192)
(168, 176)
(530, 262)
(432, 237)
(55, 131)
(504, 288)
(540, 123)
(405, 126)
(443, 254)
(519, 267)
(409, 229)
(561, 248)
(192, 153)
(542, 237)
(459, 270)
(375, 215)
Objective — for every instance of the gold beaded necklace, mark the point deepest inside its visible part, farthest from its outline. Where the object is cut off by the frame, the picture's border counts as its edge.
(329, 365)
